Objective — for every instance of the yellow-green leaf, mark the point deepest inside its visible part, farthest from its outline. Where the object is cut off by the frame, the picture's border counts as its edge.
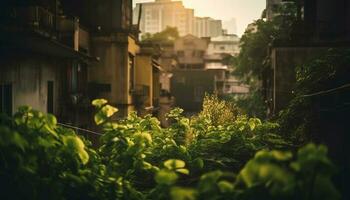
(174, 164)
(99, 102)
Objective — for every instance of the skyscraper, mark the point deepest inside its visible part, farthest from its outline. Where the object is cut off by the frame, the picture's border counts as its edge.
(207, 27)
(230, 26)
(156, 16)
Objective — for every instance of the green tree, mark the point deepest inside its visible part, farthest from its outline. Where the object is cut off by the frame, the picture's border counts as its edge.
(253, 62)
(167, 35)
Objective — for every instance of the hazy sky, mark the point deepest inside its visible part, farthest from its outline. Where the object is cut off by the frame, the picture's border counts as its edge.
(245, 11)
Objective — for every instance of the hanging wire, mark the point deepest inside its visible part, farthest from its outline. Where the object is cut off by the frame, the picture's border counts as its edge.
(81, 129)
(327, 91)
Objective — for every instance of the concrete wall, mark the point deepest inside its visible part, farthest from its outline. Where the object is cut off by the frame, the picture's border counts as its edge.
(189, 86)
(155, 86)
(143, 77)
(29, 77)
(113, 68)
(105, 71)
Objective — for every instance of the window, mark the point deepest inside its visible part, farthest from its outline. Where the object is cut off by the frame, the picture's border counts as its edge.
(131, 71)
(198, 93)
(49, 97)
(74, 77)
(181, 53)
(200, 53)
(222, 48)
(6, 99)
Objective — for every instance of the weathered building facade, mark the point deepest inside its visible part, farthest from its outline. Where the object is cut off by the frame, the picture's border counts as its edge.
(42, 60)
(147, 81)
(224, 44)
(58, 57)
(323, 25)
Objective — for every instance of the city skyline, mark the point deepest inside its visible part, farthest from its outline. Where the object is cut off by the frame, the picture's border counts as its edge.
(245, 12)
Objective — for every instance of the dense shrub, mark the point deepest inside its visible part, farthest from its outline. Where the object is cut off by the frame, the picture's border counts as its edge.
(41, 160)
(192, 159)
(218, 112)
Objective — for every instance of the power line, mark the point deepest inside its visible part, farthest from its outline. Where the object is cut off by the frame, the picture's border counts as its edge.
(81, 129)
(327, 91)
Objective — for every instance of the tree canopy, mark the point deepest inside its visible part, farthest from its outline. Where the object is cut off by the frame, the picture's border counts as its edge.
(167, 35)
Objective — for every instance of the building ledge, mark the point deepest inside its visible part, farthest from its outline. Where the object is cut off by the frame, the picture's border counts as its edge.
(34, 43)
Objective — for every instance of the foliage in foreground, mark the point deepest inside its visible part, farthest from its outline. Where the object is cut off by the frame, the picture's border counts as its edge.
(192, 159)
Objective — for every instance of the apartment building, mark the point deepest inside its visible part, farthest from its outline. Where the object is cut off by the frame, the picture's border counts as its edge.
(224, 44)
(44, 58)
(157, 15)
(207, 27)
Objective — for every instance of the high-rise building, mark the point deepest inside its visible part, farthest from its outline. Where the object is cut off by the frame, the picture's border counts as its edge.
(156, 16)
(207, 27)
(230, 26)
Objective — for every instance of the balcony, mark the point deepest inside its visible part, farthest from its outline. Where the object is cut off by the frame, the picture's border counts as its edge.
(32, 18)
(73, 34)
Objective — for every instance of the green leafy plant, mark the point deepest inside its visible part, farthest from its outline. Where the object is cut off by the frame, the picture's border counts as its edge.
(140, 160)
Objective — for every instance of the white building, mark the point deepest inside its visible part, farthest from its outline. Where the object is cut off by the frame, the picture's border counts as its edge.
(224, 44)
(230, 26)
(225, 82)
(157, 15)
(207, 27)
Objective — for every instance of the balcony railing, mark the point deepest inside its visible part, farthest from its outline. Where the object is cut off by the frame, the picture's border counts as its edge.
(35, 17)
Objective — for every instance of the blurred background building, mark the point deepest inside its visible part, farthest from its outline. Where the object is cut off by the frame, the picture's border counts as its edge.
(156, 16)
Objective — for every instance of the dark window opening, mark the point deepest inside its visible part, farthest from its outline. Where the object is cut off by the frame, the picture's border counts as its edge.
(198, 93)
(6, 99)
(132, 71)
(74, 83)
(50, 96)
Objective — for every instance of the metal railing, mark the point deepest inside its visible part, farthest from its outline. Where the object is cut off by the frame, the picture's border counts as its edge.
(36, 17)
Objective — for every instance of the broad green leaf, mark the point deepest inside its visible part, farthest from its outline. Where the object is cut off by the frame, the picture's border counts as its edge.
(108, 110)
(166, 177)
(174, 164)
(146, 165)
(99, 102)
(282, 156)
(102, 115)
(19, 141)
(225, 186)
(51, 120)
(198, 163)
(143, 137)
(183, 171)
(252, 125)
(78, 146)
(178, 193)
